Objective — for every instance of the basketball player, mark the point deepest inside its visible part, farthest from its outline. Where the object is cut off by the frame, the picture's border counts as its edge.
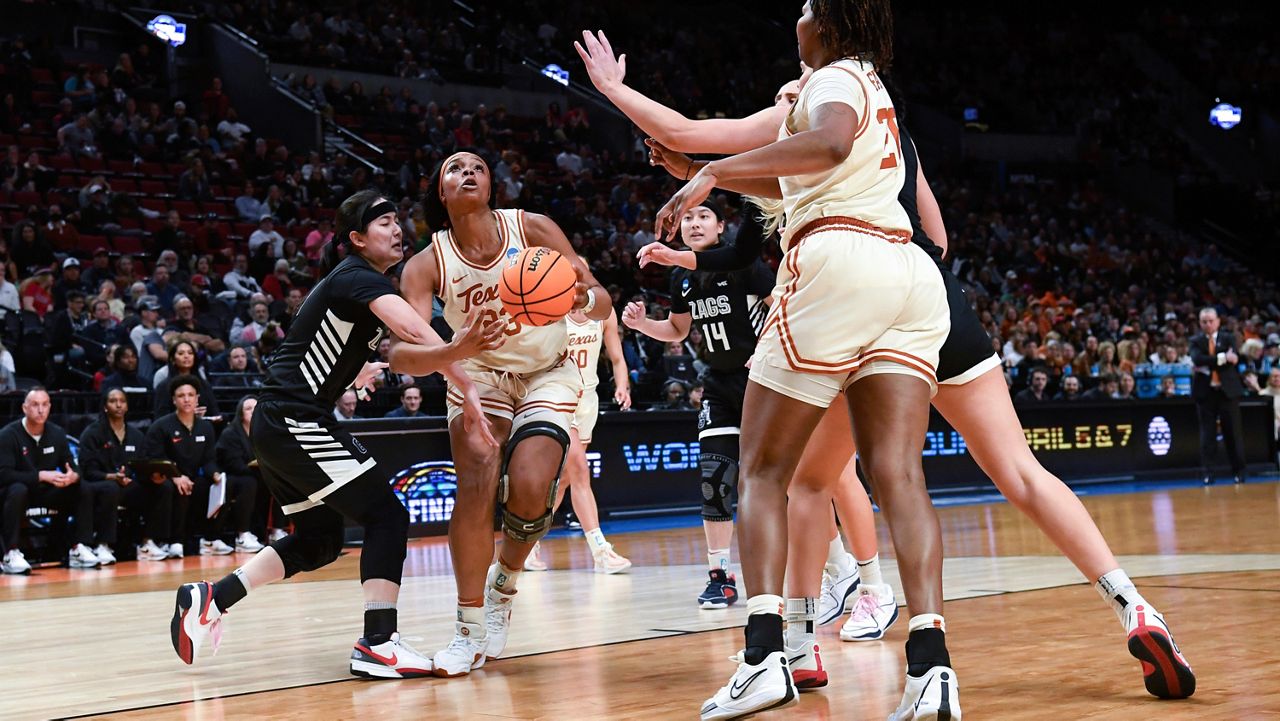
(586, 338)
(529, 390)
(321, 474)
(728, 309)
(971, 396)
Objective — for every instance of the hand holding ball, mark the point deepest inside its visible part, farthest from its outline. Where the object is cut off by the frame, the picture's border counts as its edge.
(538, 286)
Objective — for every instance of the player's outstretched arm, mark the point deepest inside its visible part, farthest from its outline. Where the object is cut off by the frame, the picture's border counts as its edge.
(675, 327)
(930, 213)
(613, 349)
(714, 135)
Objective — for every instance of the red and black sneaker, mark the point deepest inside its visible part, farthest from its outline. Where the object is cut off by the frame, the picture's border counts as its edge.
(721, 592)
(806, 664)
(391, 659)
(1164, 669)
(195, 618)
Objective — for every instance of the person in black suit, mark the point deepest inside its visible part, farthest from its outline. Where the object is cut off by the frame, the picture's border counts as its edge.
(1216, 389)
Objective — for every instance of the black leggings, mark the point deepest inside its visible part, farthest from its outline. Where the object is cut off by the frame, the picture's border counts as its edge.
(318, 533)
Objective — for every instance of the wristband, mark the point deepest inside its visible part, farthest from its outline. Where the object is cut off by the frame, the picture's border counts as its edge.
(591, 301)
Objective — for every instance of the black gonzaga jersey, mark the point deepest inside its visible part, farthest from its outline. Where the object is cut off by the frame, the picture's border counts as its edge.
(728, 308)
(907, 196)
(331, 337)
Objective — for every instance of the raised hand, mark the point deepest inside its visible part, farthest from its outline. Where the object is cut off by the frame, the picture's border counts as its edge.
(606, 71)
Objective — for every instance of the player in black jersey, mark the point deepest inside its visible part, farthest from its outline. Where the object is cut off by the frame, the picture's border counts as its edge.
(729, 309)
(321, 474)
(973, 398)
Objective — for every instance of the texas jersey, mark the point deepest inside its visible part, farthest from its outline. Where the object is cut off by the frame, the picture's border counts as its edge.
(465, 287)
(728, 308)
(585, 340)
(865, 184)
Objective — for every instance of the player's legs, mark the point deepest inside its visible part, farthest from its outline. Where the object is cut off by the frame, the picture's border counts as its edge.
(578, 476)
(471, 526)
(534, 466)
(982, 413)
(718, 466)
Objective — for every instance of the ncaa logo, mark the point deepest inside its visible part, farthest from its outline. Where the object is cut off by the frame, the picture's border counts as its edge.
(511, 256)
(1159, 436)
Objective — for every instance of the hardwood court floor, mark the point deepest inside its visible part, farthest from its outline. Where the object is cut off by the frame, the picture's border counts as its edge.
(1028, 638)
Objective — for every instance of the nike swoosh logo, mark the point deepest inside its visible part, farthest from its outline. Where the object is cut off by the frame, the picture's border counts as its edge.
(389, 660)
(459, 280)
(204, 612)
(920, 698)
(795, 658)
(736, 690)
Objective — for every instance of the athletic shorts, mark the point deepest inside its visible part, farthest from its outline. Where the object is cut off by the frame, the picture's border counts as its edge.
(722, 395)
(548, 395)
(850, 301)
(305, 454)
(967, 353)
(584, 419)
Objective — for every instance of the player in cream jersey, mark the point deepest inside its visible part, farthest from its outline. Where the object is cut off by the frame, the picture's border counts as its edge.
(586, 338)
(528, 389)
(467, 287)
(857, 307)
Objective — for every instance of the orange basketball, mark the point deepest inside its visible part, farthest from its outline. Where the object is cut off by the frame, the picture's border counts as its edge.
(537, 286)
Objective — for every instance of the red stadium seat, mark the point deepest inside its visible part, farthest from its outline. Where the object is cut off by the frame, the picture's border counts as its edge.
(187, 208)
(128, 244)
(92, 165)
(27, 197)
(157, 204)
(153, 188)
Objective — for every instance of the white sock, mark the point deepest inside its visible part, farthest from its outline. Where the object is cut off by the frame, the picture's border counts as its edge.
(927, 620)
(799, 616)
(869, 571)
(1118, 590)
(503, 579)
(765, 603)
(595, 539)
(471, 614)
(718, 558)
(837, 558)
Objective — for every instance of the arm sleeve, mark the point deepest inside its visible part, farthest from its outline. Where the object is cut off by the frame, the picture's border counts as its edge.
(362, 286)
(155, 442)
(1200, 352)
(679, 281)
(94, 462)
(741, 253)
(209, 462)
(760, 281)
(12, 469)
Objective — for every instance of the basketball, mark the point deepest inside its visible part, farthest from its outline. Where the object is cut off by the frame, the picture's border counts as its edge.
(537, 286)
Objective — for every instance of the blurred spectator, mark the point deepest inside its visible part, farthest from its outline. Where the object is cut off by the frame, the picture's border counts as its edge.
(1272, 389)
(248, 207)
(199, 331)
(1070, 389)
(107, 448)
(266, 235)
(148, 339)
(674, 398)
(36, 292)
(238, 280)
(1168, 387)
(234, 454)
(1107, 388)
(1035, 391)
(1216, 388)
(345, 408)
(410, 404)
(277, 285)
(248, 333)
(1126, 387)
(184, 361)
(124, 371)
(317, 239)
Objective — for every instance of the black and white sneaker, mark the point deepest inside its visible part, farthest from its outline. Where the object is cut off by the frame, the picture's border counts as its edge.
(752, 689)
(932, 697)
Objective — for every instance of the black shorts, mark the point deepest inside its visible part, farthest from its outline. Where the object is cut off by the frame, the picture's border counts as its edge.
(722, 396)
(305, 454)
(967, 352)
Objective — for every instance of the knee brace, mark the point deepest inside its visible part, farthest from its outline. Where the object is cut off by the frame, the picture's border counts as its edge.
(309, 550)
(526, 530)
(719, 477)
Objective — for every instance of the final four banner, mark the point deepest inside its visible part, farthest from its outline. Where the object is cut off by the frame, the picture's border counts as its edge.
(649, 461)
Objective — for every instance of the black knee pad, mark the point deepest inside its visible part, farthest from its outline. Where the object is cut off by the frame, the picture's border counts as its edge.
(719, 476)
(309, 550)
(529, 530)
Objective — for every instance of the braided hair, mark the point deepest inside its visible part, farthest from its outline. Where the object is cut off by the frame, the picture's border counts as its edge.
(860, 29)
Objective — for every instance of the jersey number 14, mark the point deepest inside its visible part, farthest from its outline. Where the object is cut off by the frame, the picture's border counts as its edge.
(716, 332)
